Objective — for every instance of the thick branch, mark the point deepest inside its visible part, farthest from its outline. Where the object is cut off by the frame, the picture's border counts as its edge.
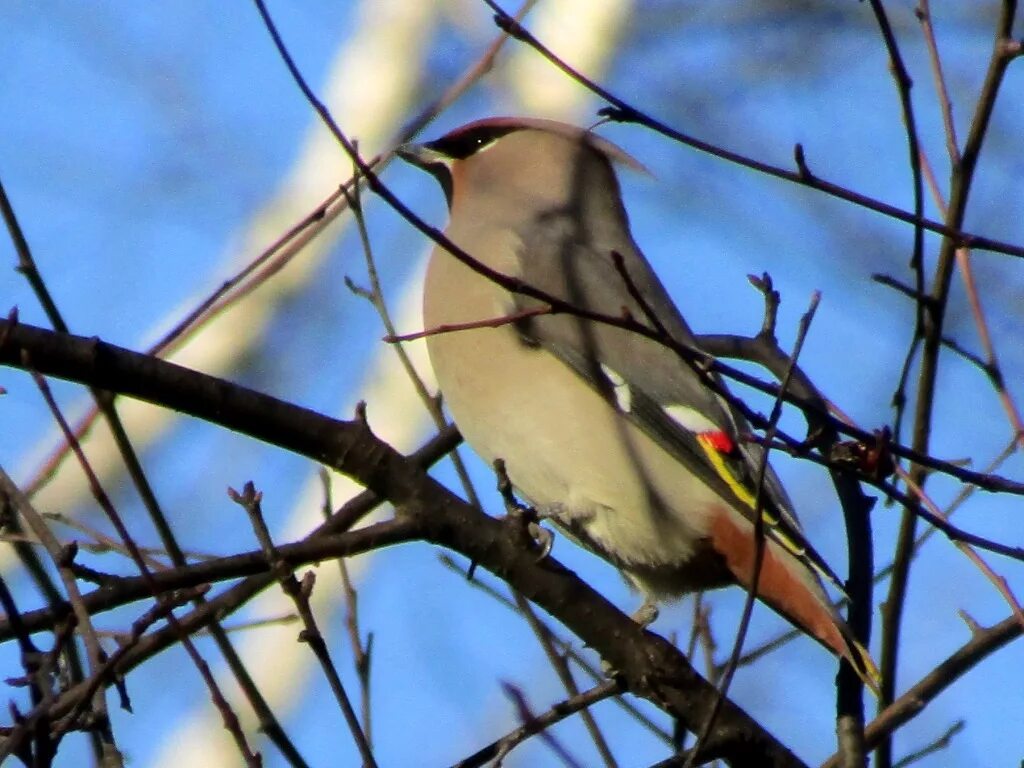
(649, 666)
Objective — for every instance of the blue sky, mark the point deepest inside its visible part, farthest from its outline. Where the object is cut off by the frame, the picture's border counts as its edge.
(137, 143)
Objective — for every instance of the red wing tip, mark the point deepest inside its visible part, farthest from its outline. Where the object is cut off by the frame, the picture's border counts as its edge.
(720, 441)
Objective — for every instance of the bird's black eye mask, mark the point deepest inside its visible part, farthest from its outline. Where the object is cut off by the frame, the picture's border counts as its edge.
(459, 145)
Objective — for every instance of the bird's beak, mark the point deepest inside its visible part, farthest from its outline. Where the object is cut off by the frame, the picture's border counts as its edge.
(421, 155)
(435, 163)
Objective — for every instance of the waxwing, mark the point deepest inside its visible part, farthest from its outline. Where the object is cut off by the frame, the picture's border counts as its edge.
(610, 434)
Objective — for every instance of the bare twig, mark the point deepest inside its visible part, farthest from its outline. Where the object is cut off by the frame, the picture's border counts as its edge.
(622, 111)
(561, 667)
(362, 653)
(376, 298)
(937, 745)
(251, 501)
(525, 712)
(228, 715)
(924, 16)
(565, 648)
(104, 400)
(288, 245)
(492, 322)
(983, 643)
(62, 558)
(496, 750)
(903, 86)
(768, 333)
(962, 179)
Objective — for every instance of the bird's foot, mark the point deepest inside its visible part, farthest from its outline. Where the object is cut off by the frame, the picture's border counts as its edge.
(513, 506)
(522, 515)
(646, 614)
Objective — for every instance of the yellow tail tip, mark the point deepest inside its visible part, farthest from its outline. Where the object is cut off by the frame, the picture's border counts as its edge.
(866, 668)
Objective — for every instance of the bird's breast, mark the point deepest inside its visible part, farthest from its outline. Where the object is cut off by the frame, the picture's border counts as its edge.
(566, 448)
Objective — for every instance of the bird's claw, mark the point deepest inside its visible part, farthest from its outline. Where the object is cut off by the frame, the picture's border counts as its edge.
(544, 539)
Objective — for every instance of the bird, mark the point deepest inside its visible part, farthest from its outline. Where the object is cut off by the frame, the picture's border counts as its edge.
(607, 432)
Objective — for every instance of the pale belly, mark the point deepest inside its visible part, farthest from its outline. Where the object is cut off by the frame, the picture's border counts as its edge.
(573, 457)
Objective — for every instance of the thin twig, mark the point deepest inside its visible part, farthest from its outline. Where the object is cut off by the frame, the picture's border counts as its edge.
(784, 638)
(903, 86)
(937, 745)
(362, 654)
(962, 179)
(104, 401)
(288, 245)
(924, 16)
(622, 111)
(990, 366)
(491, 322)
(62, 558)
(758, 527)
(376, 298)
(526, 715)
(566, 648)
(561, 667)
(983, 643)
(328, 541)
(578, 703)
(251, 501)
(228, 715)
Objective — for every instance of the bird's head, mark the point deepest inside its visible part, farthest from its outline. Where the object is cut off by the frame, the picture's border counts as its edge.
(519, 158)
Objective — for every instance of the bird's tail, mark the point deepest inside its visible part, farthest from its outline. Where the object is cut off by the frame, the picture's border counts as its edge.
(859, 658)
(790, 588)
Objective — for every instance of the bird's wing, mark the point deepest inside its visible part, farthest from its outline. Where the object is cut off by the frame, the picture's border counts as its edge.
(645, 380)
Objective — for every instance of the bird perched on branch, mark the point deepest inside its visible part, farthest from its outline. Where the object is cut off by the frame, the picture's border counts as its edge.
(610, 433)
